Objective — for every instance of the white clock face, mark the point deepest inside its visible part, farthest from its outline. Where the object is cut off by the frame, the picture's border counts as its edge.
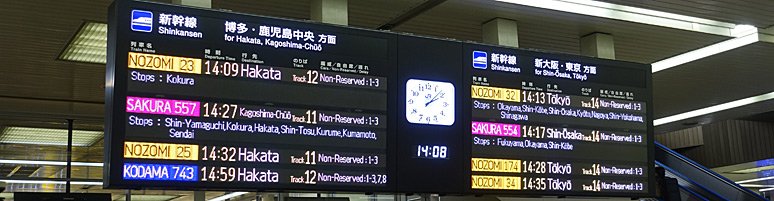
(429, 102)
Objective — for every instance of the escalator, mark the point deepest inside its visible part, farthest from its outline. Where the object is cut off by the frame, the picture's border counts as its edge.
(696, 182)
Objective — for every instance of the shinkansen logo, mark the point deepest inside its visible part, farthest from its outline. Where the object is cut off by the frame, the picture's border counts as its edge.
(479, 59)
(142, 21)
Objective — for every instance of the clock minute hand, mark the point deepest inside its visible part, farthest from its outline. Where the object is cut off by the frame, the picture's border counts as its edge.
(434, 99)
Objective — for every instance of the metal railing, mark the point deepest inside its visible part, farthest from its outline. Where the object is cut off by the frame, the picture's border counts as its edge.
(700, 180)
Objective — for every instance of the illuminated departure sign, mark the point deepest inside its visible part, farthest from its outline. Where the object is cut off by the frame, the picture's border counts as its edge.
(210, 100)
(203, 99)
(551, 127)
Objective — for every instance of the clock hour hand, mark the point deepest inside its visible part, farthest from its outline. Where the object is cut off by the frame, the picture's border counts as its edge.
(434, 99)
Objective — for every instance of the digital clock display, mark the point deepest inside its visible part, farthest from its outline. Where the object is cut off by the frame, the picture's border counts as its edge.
(431, 151)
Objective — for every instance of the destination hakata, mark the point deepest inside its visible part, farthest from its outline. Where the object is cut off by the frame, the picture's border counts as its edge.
(496, 129)
(495, 165)
(162, 106)
(165, 63)
(495, 93)
(496, 182)
(147, 150)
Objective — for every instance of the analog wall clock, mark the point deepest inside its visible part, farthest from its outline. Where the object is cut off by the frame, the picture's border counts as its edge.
(429, 102)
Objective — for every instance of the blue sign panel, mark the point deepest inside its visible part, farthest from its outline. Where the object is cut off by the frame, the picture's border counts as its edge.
(160, 172)
(142, 21)
(479, 59)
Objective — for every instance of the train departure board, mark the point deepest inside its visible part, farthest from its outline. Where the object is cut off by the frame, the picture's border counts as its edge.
(205, 99)
(201, 99)
(546, 123)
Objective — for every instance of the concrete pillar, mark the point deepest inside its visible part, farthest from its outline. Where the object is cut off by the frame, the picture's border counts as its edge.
(267, 197)
(598, 45)
(330, 11)
(199, 196)
(197, 3)
(501, 31)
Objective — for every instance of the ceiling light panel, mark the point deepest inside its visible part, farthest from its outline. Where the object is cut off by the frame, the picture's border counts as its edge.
(755, 180)
(57, 163)
(753, 170)
(88, 45)
(228, 196)
(150, 197)
(756, 186)
(47, 136)
(631, 14)
(705, 52)
(714, 108)
(23, 181)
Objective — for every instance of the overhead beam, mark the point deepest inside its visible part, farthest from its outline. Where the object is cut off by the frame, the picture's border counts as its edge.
(408, 15)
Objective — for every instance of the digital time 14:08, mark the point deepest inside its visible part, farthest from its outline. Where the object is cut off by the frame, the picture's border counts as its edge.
(431, 151)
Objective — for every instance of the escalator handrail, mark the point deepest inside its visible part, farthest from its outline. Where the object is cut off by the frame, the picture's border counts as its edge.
(696, 195)
(707, 170)
(687, 179)
(696, 165)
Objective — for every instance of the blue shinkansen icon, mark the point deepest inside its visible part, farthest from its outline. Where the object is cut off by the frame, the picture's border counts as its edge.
(479, 59)
(160, 172)
(142, 21)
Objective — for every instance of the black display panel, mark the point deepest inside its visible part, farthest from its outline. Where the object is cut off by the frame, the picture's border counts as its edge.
(551, 124)
(201, 99)
(430, 151)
